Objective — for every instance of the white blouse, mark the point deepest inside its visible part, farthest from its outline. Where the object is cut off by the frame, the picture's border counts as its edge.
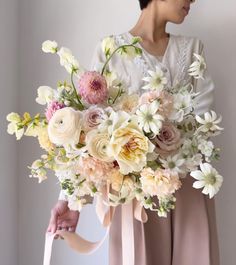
(174, 63)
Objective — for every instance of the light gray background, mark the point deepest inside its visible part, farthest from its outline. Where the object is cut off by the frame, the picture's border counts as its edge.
(24, 25)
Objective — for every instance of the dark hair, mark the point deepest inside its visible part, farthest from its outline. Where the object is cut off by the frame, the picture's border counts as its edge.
(144, 3)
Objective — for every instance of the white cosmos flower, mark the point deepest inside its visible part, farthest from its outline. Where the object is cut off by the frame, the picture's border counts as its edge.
(148, 117)
(156, 80)
(208, 178)
(198, 67)
(45, 95)
(49, 46)
(174, 163)
(209, 122)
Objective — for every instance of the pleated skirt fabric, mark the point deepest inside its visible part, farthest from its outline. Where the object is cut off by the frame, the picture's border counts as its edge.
(187, 236)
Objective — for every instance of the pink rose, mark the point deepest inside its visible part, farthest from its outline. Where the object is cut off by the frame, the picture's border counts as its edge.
(92, 118)
(168, 141)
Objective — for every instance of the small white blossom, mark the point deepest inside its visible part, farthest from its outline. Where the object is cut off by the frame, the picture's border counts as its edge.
(68, 60)
(49, 46)
(108, 45)
(208, 178)
(206, 147)
(156, 80)
(45, 95)
(198, 67)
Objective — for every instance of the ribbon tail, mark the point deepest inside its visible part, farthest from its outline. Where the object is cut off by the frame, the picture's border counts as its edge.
(128, 251)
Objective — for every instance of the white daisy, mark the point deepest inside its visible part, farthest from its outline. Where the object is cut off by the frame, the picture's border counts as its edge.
(208, 178)
(198, 67)
(174, 163)
(156, 80)
(148, 117)
(209, 122)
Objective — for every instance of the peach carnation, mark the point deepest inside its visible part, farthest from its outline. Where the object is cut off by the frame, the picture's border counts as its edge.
(94, 169)
(161, 182)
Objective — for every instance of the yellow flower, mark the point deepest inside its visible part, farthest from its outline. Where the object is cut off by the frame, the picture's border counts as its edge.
(43, 139)
(129, 146)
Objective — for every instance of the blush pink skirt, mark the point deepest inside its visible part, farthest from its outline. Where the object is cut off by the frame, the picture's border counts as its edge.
(188, 236)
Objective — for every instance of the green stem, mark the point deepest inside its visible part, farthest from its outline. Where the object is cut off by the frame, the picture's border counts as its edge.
(109, 58)
(81, 106)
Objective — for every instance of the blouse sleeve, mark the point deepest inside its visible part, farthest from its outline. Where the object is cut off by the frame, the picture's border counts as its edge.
(204, 100)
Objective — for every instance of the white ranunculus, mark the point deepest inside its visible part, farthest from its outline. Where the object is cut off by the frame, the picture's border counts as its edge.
(65, 126)
(97, 145)
(67, 59)
(49, 46)
(45, 95)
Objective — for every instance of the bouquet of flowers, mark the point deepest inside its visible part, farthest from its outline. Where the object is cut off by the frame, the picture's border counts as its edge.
(97, 135)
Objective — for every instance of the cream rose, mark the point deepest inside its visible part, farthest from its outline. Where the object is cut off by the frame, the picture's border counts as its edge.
(65, 126)
(169, 139)
(129, 146)
(97, 143)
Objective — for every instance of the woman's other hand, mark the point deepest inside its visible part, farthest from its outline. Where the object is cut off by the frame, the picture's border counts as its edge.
(62, 218)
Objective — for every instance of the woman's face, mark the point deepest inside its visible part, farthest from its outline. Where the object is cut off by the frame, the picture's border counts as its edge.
(175, 10)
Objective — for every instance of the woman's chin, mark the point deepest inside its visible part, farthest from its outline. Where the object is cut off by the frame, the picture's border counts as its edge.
(178, 20)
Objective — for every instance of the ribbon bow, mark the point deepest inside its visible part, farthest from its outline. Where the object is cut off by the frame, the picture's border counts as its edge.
(105, 213)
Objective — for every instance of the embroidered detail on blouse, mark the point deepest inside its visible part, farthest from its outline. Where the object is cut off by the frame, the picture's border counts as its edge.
(182, 76)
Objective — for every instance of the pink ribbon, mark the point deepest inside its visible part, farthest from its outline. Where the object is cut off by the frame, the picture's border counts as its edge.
(105, 213)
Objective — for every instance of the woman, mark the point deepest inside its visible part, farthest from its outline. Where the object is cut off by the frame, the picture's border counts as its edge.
(188, 236)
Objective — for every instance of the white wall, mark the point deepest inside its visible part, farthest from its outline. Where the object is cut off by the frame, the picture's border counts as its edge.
(9, 88)
(79, 24)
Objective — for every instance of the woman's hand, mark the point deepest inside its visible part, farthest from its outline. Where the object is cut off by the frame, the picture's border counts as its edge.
(62, 218)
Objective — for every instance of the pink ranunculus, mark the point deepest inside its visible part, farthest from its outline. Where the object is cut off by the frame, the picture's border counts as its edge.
(52, 108)
(93, 87)
(92, 118)
(169, 139)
